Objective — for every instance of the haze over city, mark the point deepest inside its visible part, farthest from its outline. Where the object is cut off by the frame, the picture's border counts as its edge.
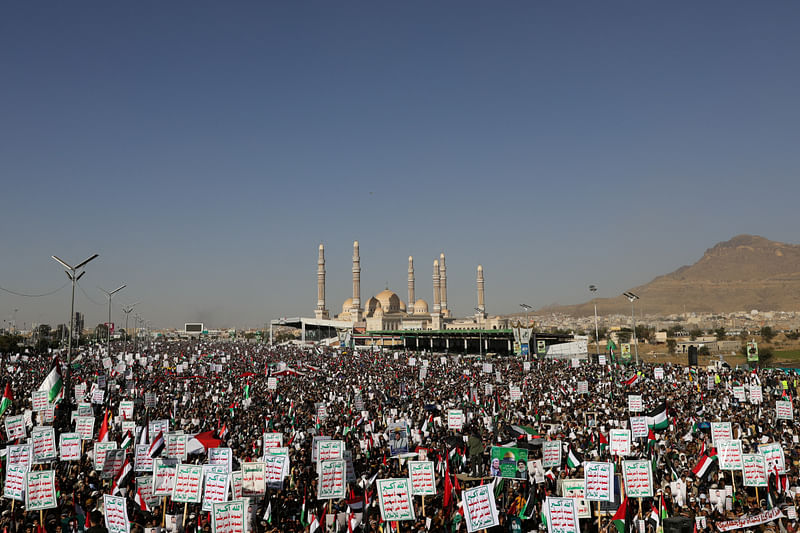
(205, 150)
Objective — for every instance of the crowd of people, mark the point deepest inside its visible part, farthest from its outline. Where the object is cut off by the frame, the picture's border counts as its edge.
(392, 407)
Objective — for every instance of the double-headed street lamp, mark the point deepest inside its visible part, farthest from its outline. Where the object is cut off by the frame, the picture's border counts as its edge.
(72, 274)
(527, 309)
(593, 289)
(127, 310)
(632, 298)
(108, 325)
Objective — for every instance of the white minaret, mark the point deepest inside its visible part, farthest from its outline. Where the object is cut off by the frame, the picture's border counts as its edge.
(355, 313)
(481, 302)
(320, 311)
(443, 285)
(436, 288)
(410, 306)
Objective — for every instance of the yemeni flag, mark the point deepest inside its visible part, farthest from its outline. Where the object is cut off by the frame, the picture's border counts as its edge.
(618, 520)
(573, 460)
(632, 381)
(705, 464)
(53, 384)
(122, 478)
(157, 447)
(103, 435)
(657, 418)
(141, 501)
(8, 397)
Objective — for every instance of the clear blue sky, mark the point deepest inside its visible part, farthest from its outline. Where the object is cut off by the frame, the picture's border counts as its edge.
(205, 149)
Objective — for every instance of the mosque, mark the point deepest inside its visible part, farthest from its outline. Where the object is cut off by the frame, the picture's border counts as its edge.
(386, 312)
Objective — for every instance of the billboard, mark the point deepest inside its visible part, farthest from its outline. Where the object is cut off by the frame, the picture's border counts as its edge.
(193, 327)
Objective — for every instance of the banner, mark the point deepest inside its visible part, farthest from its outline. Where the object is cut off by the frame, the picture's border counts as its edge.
(658, 372)
(773, 455)
(455, 419)
(756, 395)
(229, 517)
(331, 484)
(509, 463)
(480, 511)
(275, 466)
(752, 352)
(15, 427)
(100, 450)
(164, 476)
(43, 441)
(221, 456)
(754, 470)
(272, 440)
(19, 455)
(783, 410)
(188, 484)
(175, 446)
(394, 497)
(562, 515)
(638, 478)
(750, 521)
(116, 514)
(40, 490)
(421, 476)
(142, 460)
(84, 426)
(330, 449)
(69, 446)
(551, 453)
(598, 481)
(144, 484)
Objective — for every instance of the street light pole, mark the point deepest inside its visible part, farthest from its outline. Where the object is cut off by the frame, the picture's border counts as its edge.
(73, 277)
(127, 310)
(108, 324)
(632, 298)
(593, 289)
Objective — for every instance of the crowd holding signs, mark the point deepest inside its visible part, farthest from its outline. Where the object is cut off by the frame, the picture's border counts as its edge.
(240, 438)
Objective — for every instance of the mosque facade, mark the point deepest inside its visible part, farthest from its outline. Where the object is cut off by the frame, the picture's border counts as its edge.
(385, 311)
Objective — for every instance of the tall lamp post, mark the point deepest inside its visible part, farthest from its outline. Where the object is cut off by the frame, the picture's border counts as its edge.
(632, 298)
(108, 325)
(593, 290)
(527, 309)
(127, 310)
(72, 274)
(480, 330)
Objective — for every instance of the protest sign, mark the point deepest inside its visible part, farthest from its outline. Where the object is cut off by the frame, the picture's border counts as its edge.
(254, 481)
(221, 456)
(639, 427)
(116, 514)
(658, 372)
(164, 476)
(739, 393)
(20, 455)
(330, 449)
(575, 488)
(720, 430)
(455, 419)
(635, 403)
(773, 455)
(272, 440)
(754, 470)
(756, 395)
(480, 510)
(275, 467)
(215, 489)
(394, 498)
(236, 484)
(331, 484)
(39, 400)
(14, 488)
(100, 450)
(598, 481)
(84, 426)
(638, 478)
(40, 490)
(314, 446)
(729, 452)
(509, 462)
(783, 410)
(229, 517)
(112, 464)
(15, 427)
(583, 387)
(422, 478)
(43, 442)
(175, 446)
(126, 409)
(69, 446)
(142, 460)
(144, 484)
(514, 393)
(551, 453)
(620, 442)
(562, 515)
(188, 484)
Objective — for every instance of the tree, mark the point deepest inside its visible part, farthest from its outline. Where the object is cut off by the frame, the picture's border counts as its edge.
(624, 335)
(703, 350)
(644, 332)
(694, 333)
(602, 332)
(720, 333)
(672, 344)
(767, 334)
(674, 330)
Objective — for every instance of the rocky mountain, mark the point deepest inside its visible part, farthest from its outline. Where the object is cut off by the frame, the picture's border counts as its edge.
(744, 273)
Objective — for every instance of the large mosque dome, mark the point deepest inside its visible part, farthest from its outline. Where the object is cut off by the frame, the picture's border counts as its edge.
(390, 302)
(347, 305)
(420, 306)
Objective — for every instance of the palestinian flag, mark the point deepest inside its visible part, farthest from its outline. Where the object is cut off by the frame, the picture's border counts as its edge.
(8, 397)
(632, 381)
(52, 384)
(651, 439)
(603, 442)
(157, 447)
(705, 464)
(127, 441)
(573, 461)
(618, 520)
(657, 418)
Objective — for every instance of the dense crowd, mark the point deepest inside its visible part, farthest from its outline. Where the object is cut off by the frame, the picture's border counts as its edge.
(392, 407)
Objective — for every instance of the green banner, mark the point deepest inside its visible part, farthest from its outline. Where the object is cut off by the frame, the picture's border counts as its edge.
(509, 463)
